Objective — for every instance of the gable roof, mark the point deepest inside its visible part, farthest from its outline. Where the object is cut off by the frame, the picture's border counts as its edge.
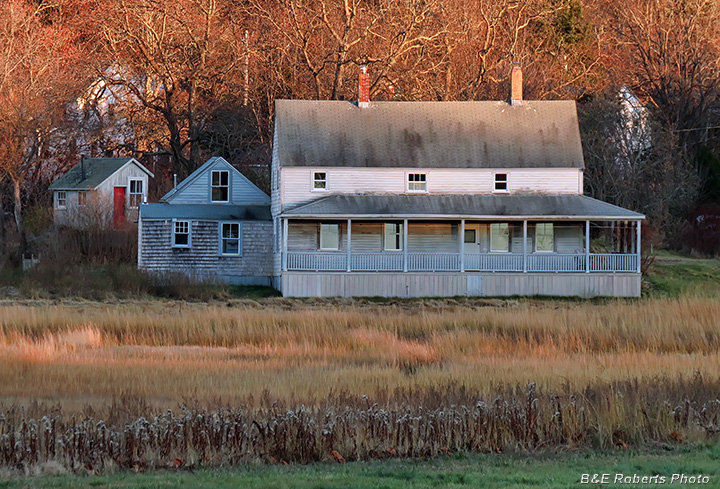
(537, 134)
(571, 207)
(193, 177)
(97, 170)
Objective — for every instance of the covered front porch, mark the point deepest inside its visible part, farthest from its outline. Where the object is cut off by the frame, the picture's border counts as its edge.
(361, 245)
(446, 245)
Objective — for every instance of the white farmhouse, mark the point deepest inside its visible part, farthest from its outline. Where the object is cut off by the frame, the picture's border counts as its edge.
(415, 199)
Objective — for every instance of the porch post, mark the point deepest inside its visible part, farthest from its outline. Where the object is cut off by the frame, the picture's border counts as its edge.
(284, 244)
(405, 240)
(587, 246)
(639, 235)
(462, 245)
(525, 245)
(612, 236)
(349, 239)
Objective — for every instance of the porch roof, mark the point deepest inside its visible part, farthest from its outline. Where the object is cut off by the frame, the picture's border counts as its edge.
(205, 212)
(514, 207)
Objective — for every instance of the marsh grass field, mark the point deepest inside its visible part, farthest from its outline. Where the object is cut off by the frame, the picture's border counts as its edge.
(139, 382)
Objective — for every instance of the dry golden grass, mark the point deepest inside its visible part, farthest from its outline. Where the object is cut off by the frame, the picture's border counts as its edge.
(90, 353)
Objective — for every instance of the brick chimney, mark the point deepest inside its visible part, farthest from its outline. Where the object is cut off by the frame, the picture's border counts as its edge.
(364, 88)
(516, 90)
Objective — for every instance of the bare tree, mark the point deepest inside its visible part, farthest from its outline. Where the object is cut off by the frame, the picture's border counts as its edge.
(178, 60)
(673, 48)
(37, 58)
(632, 160)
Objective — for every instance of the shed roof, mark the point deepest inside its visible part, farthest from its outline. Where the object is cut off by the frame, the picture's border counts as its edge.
(97, 170)
(207, 212)
(560, 207)
(537, 134)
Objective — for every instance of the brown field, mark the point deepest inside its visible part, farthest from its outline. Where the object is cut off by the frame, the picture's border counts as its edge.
(93, 386)
(88, 353)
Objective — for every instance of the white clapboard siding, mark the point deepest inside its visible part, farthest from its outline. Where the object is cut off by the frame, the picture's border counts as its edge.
(297, 187)
(516, 242)
(569, 239)
(121, 178)
(367, 237)
(275, 180)
(433, 238)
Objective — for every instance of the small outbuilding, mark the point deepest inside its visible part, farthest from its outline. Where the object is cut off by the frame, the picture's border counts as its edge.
(100, 192)
(215, 225)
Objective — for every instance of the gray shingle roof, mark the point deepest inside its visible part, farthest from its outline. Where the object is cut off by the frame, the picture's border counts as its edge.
(470, 206)
(537, 134)
(97, 170)
(208, 212)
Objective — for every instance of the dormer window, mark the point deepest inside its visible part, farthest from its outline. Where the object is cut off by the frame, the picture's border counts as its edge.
(417, 182)
(220, 186)
(319, 180)
(501, 182)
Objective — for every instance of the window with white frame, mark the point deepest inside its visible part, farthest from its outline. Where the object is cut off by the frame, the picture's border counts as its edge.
(417, 182)
(82, 197)
(135, 194)
(181, 234)
(220, 186)
(230, 238)
(329, 237)
(544, 237)
(501, 182)
(393, 237)
(499, 237)
(319, 180)
(470, 236)
(61, 199)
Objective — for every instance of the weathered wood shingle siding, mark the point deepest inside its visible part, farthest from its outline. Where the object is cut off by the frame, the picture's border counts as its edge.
(203, 259)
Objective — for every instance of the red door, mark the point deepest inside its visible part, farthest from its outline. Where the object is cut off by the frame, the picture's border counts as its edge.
(119, 207)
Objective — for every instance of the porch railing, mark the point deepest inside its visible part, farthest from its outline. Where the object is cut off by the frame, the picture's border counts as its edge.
(433, 262)
(499, 262)
(376, 262)
(482, 262)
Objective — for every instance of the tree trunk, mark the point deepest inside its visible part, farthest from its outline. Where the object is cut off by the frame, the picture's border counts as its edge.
(19, 220)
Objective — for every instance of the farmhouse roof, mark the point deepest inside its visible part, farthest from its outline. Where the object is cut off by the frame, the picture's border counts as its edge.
(536, 134)
(96, 171)
(557, 207)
